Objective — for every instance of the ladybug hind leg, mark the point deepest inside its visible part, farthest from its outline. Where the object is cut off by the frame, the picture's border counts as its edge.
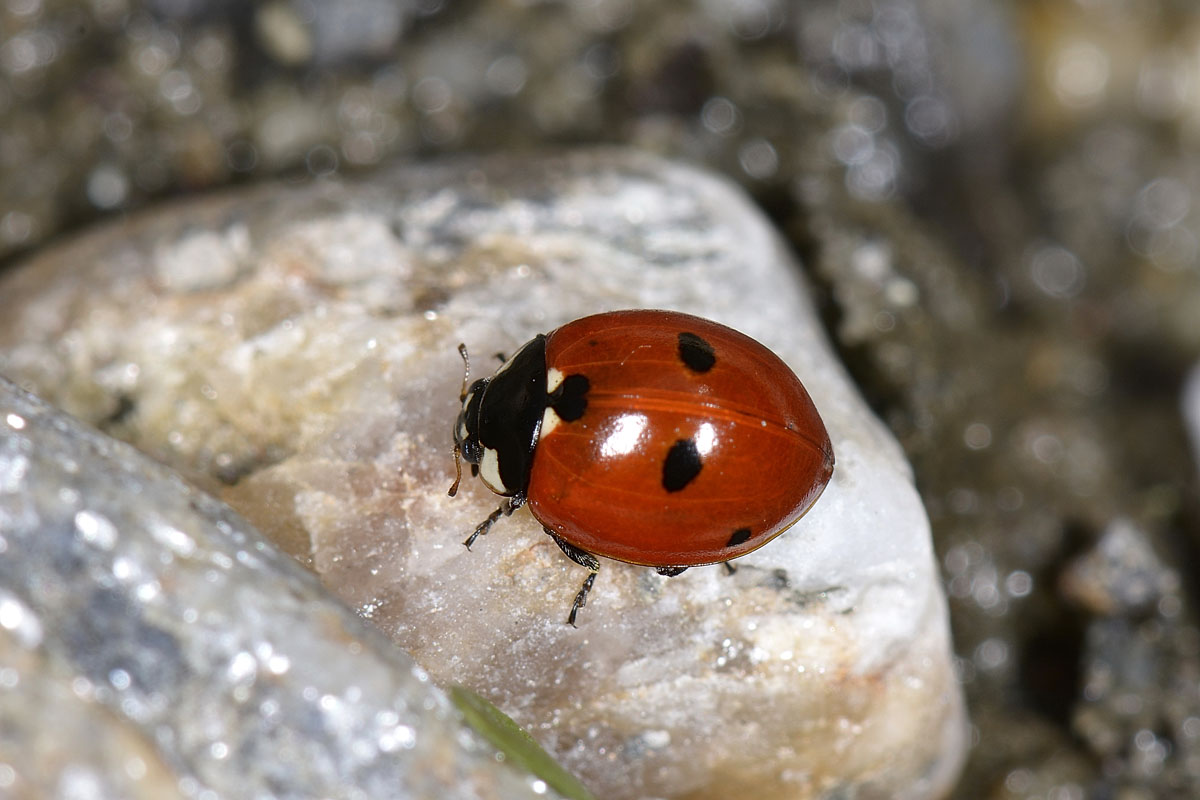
(581, 598)
(584, 559)
(669, 572)
(506, 508)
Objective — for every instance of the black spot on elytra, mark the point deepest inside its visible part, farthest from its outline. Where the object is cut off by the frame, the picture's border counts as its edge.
(696, 354)
(681, 465)
(569, 400)
(739, 537)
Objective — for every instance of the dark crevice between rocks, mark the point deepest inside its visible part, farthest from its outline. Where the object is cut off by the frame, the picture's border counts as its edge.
(1051, 658)
(1052, 652)
(1182, 545)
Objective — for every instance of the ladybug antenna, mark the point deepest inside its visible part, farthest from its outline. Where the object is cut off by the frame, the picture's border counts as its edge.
(462, 395)
(462, 351)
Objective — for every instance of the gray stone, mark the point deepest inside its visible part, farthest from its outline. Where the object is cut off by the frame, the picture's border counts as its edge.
(152, 644)
(293, 348)
(1120, 574)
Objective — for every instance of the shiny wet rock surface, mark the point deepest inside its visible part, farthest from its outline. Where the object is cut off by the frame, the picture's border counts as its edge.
(155, 645)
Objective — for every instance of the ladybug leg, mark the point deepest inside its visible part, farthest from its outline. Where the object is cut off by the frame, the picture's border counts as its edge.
(581, 557)
(506, 508)
(581, 599)
(669, 572)
(457, 472)
(729, 568)
(584, 559)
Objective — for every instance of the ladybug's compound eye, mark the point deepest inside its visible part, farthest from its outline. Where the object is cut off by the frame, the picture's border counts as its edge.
(466, 427)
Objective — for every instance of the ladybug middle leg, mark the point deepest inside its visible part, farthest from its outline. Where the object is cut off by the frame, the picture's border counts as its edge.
(506, 508)
(584, 559)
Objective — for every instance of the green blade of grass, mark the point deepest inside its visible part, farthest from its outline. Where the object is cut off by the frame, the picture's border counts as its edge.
(517, 745)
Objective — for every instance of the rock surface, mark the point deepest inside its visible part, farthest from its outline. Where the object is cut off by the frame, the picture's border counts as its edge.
(293, 349)
(153, 645)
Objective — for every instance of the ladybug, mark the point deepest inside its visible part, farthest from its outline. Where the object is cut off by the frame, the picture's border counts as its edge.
(650, 437)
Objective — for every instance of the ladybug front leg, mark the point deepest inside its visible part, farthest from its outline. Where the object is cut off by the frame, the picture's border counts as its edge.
(584, 559)
(506, 508)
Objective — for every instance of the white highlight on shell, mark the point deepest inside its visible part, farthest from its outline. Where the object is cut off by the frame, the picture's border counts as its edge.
(489, 470)
(625, 434)
(705, 438)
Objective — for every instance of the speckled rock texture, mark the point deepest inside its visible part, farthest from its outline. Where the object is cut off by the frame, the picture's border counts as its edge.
(292, 348)
(153, 644)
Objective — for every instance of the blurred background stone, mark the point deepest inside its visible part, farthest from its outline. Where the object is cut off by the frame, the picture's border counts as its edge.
(294, 350)
(155, 645)
(997, 200)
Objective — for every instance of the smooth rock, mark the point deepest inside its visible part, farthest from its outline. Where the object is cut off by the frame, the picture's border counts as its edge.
(315, 384)
(154, 645)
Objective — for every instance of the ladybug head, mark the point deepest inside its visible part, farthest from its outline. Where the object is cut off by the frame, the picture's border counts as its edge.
(466, 428)
(497, 428)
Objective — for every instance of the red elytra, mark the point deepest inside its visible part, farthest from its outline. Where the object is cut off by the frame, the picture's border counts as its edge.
(650, 437)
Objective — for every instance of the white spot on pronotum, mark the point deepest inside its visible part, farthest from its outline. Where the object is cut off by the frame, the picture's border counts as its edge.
(489, 471)
(554, 377)
(550, 421)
